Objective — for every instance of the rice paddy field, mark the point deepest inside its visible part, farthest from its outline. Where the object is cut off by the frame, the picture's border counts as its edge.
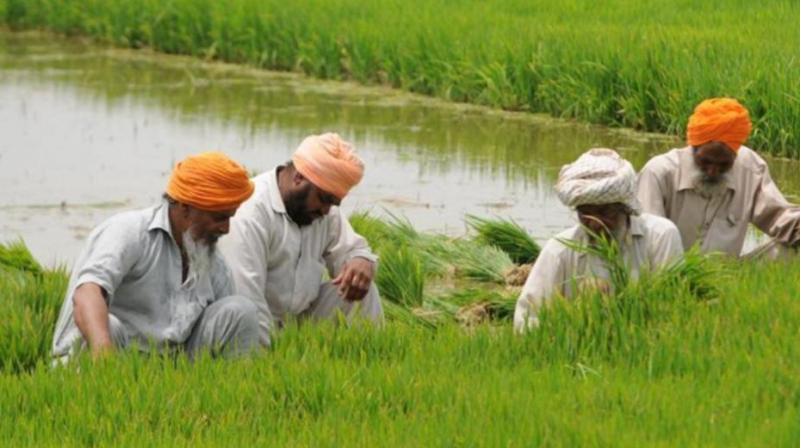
(702, 354)
(642, 65)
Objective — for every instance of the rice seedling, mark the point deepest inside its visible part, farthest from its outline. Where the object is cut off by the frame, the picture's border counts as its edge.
(29, 301)
(15, 255)
(621, 369)
(400, 277)
(506, 235)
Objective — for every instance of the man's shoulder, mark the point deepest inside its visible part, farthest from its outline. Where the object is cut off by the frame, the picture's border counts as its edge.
(555, 246)
(657, 225)
(750, 162)
(129, 221)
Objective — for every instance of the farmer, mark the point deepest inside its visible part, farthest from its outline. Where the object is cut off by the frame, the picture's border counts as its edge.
(601, 187)
(152, 277)
(714, 187)
(291, 233)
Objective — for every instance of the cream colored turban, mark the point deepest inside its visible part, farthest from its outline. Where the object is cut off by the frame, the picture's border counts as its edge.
(599, 176)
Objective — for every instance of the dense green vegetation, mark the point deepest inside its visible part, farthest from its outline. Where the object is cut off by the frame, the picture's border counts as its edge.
(690, 356)
(622, 63)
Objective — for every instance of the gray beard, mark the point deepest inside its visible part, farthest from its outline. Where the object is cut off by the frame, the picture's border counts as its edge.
(708, 188)
(199, 255)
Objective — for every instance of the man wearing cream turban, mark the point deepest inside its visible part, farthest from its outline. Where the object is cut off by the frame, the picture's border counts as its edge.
(601, 187)
(152, 278)
(291, 234)
(715, 187)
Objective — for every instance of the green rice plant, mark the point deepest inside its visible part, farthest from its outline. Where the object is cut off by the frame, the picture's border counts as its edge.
(400, 277)
(506, 235)
(470, 259)
(30, 304)
(571, 59)
(15, 255)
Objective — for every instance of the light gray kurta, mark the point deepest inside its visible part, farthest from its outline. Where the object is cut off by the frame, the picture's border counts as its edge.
(650, 242)
(136, 261)
(719, 223)
(280, 265)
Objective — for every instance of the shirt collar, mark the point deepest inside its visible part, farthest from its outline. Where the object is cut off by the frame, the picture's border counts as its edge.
(160, 219)
(686, 168)
(274, 193)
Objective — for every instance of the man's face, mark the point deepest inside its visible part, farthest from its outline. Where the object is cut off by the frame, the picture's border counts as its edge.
(208, 226)
(605, 219)
(713, 159)
(308, 203)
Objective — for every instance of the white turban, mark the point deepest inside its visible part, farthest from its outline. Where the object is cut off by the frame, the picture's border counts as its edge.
(599, 176)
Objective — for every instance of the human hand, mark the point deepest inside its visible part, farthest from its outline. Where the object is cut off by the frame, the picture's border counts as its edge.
(355, 278)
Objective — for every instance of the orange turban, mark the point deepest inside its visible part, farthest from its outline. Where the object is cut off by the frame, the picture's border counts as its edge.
(719, 119)
(329, 163)
(210, 181)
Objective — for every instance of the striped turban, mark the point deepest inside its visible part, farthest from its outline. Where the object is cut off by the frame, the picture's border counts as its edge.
(599, 176)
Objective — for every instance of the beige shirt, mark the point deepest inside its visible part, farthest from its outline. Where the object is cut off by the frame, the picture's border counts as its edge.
(650, 242)
(720, 222)
(279, 265)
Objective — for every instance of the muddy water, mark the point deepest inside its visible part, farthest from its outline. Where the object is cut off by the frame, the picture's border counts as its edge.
(87, 131)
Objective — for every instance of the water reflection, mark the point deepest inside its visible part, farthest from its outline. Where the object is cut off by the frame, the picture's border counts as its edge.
(88, 131)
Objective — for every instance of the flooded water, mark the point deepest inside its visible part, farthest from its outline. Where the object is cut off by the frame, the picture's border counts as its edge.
(86, 132)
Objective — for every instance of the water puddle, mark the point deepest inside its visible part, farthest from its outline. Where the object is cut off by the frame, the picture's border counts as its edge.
(89, 131)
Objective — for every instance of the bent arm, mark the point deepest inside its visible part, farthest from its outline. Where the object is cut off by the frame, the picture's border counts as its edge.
(91, 317)
(774, 215)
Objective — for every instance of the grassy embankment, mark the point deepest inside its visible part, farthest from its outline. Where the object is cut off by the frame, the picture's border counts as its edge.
(689, 357)
(642, 65)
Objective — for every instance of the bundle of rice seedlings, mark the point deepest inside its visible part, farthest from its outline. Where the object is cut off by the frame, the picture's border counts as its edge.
(374, 230)
(506, 235)
(400, 277)
(479, 262)
(15, 255)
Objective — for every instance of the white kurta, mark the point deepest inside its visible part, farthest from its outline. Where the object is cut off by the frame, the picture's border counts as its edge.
(650, 242)
(281, 266)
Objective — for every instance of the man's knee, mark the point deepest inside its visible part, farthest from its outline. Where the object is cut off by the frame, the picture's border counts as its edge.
(237, 309)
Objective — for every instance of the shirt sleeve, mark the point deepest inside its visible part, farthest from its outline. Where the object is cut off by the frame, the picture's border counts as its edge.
(773, 214)
(650, 192)
(345, 244)
(110, 254)
(246, 251)
(546, 278)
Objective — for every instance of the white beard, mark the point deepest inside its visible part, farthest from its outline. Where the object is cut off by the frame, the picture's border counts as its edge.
(198, 254)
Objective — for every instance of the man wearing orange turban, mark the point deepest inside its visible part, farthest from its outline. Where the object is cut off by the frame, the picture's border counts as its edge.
(715, 187)
(152, 277)
(291, 233)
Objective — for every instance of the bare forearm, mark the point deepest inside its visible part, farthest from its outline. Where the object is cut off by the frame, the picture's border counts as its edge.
(91, 316)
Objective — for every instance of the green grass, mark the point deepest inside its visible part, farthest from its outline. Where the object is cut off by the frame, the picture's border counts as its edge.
(643, 65)
(684, 357)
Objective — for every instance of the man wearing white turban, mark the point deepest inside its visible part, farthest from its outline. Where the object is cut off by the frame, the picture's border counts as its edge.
(601, 187)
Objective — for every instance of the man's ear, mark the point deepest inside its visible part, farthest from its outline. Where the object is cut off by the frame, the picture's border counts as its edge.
(298, 179)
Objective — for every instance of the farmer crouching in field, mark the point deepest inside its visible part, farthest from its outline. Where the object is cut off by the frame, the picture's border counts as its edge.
(601, 187)
(292, 232)
(153, 278)
(713, 188)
